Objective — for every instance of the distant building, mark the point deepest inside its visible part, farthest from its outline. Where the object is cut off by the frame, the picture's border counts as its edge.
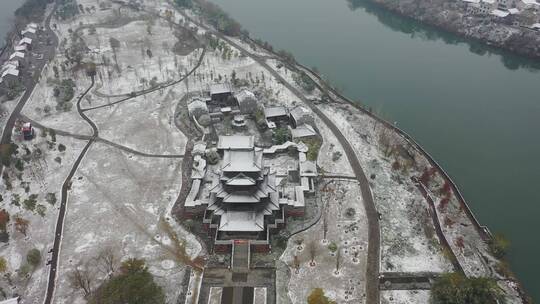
(221, 93)
(10, 76)
(275, 115)
(25, 40)
(197, 107)
(303, 132)
(527, 4)
(20, 48)
(239, 122)
(499, 13)
(17, 56)
(11, 301)
(242, 200)
(301, 115)
(27, 131)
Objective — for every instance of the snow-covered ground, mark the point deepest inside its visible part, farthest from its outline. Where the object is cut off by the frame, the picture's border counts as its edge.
(29, 196)
(405, 296)
(123, 200)
(347, 230)
(145, 123)
(409, 243)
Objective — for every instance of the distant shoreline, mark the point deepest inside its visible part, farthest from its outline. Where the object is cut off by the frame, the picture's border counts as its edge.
(508, 45)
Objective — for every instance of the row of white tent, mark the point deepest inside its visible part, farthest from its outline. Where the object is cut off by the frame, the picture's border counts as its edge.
(11, 67)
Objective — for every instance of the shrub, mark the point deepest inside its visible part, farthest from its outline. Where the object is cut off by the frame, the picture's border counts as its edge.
(499, 245)
(3, 264)
(317, 297)
(33, 257)
(135, 284)
(314, 145)
(455, 288)
(332, 247)
(281, 135)
(30, 202)
(350, 212)
(4, 219)
(19, 165)
(336, 156)
(61, 148)
(50, 198)
(212, 157)
(304, 81)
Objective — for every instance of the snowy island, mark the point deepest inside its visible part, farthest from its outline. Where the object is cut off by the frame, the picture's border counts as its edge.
(154, 143)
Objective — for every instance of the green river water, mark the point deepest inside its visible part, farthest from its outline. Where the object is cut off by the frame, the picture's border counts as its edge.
(475, 109)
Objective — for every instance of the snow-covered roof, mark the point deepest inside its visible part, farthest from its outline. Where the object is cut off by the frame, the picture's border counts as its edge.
(242, 221)
(244, 95)
(10, 72)
(275, 112)
(499, 13)
(236, 142)
(16, 55)
(12, 64)
(10, 301)
(28, 31)
(25, 40)
(471, 1)
(303, 131)
(530, 2)
(242, 161)
(220, 88)
(32, 25)
(197, 104)
(240, 180)
(20, 48)
(489, 1)
(535, 26)
(308, 168)
(299, 112)
(513, 11)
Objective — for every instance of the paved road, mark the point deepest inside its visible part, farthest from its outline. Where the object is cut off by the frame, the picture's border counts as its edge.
(372, 268)
(29, 81)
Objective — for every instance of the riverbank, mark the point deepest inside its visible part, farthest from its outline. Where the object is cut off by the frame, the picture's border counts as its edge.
(454, 17)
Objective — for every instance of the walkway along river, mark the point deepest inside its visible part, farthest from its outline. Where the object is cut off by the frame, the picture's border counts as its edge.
(475, 110)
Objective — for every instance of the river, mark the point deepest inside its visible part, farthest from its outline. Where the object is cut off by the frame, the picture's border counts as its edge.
(475, 109)
(7, 8)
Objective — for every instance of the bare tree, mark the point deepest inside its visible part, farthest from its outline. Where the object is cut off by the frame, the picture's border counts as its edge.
(81, 279)
(338, 259)
(296, 263)
(325, 222)
(107, 261)
(385, 141)
(21, 225)
(312, 248)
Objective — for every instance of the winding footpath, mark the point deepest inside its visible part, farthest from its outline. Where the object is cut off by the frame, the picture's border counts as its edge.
(373, 259)
(51, 284)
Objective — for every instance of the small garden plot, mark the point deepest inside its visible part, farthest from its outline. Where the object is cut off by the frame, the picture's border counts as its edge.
(405, 297)
(30, 194)
(145, 123)
(331, 254)
(122, 202)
